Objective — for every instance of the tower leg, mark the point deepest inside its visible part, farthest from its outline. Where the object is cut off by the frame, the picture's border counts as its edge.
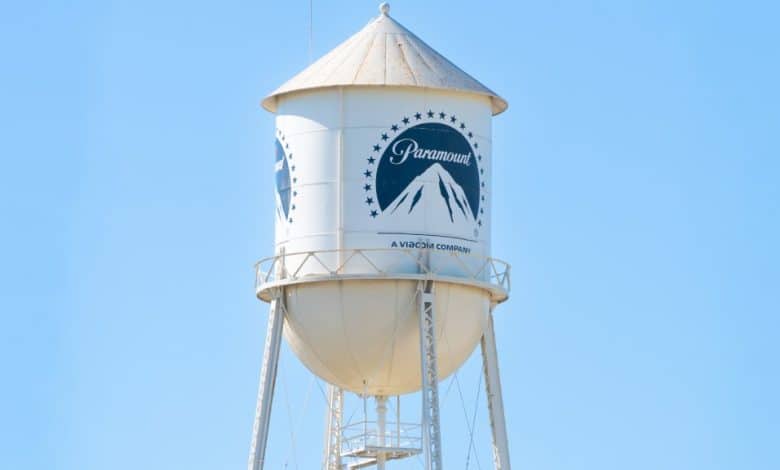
(265, 394)
(431, 434)
(381, 421)
(332, 458)
(494, 397)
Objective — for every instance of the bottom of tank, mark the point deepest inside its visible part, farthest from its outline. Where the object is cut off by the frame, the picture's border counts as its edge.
(363, 335)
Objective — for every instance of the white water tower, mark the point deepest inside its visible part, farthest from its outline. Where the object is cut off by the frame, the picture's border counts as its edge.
(382, 279)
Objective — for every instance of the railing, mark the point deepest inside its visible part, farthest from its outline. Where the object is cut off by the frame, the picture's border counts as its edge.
(382, 262)
(364, 434)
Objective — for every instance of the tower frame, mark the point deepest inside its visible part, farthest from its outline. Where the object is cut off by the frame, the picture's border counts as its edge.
(274, 273)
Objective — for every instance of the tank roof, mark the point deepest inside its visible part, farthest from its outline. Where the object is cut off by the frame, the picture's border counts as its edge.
(384, 53)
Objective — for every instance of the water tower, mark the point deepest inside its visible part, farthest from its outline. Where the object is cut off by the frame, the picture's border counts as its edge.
(382, 281)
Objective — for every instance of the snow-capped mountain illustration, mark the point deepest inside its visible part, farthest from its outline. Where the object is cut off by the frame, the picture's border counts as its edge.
(435, 194)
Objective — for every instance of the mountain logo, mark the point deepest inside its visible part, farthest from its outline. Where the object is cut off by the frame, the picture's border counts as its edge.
(285, 179)
(432, 168)
(449, 198)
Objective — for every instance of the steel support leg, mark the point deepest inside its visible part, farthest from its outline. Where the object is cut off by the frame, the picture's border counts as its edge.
(430, 378)
(265, 394)
(332, 457)
(494, 398)
(381, 431)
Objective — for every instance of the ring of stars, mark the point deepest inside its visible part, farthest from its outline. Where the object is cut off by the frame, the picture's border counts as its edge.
(411, 120)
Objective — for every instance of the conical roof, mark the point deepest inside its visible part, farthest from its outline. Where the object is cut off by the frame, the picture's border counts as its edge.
(384, 53)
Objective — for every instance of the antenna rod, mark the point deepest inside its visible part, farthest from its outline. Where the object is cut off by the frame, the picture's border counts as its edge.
(311, 28)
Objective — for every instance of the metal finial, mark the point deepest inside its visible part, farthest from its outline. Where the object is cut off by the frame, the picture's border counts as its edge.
(384, 8)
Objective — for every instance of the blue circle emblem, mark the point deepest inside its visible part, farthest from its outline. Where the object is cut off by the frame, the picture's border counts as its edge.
(284, 170)
(433, 163)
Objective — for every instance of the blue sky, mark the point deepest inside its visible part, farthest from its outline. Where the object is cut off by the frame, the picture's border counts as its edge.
(636, 196)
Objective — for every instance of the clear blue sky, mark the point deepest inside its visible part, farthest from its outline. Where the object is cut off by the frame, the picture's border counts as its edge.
(637, 174)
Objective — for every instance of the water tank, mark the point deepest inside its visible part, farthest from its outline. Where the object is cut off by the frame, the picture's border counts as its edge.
(383, 171)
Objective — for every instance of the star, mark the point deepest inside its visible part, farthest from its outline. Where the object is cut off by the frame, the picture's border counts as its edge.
(295, 193)
(367, 173)
(394, 127)
(430, 113)
(476, 145)
(295, 180)
(371, 160)
(374, 214)
(367, 187)
(293, 207)
(483, 197)
(405, 120)
(442, 115)
(482, 211)
(292, 168)
(369, 200)
(481, 171)
(479, 157)
(290, 219)
(417, 116)
(471, 135)
(384, 136)
(453, 119)
(483, 184)
(376, 148)
(462, 125)
(479, 223)
(290, 157)
(282, 138)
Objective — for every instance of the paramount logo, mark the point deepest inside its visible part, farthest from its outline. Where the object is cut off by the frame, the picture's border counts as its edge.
(429, 172)
(404, 148)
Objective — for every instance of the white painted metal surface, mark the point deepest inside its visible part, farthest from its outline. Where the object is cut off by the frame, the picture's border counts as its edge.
(384, 53)
(333, 431)
(381, 421)
(383, 198)
(495, 398)
(341, 151)
(490, 274)
(265, 394)
(431, 427)
(360, 332)
(369, 339)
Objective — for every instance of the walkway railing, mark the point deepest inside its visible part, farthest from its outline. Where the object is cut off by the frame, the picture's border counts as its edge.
(382, 262)
(364, 434)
